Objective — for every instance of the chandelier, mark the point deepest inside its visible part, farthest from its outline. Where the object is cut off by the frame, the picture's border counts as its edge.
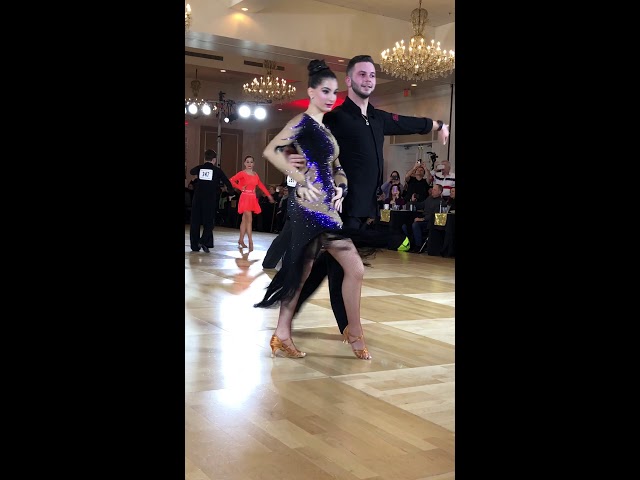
(187, 18)
(421, 62)
(196, 105)
(269, 89)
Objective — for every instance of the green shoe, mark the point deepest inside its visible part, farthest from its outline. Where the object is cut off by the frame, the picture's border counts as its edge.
(405, 246)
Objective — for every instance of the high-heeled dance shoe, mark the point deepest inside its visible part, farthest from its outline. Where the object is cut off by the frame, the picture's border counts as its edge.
(251, 245)
(241, 245)
(289, 351)
(361, 354)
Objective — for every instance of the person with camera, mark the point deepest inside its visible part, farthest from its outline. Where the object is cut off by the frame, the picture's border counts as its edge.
(417, 184)
(394, 179)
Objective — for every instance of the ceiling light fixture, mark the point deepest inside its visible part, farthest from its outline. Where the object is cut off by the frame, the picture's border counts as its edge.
(421, 62)
(187, 18)
(269, 89)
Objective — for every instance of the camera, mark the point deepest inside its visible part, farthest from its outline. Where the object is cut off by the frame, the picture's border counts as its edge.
(433, 157)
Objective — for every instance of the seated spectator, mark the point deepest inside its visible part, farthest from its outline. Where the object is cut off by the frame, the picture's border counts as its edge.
(394, 199)
(281, 214)
(451, 201)
(222, 212)
(394, 179)
(192, 185)
(275, 192)
(422, 224)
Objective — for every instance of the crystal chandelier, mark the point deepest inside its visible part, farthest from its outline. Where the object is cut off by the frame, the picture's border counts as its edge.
(269, 89)
(187, 18)
(421, 62)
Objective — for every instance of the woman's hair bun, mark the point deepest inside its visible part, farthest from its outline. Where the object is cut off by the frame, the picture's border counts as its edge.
(316, 66)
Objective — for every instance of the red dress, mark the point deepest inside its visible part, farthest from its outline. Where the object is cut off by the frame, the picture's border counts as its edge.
(247, 184)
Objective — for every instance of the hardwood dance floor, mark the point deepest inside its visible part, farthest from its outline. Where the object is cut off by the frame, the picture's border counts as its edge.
(329, 415)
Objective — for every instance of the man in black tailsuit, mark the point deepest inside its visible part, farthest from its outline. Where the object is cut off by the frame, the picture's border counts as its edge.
(205, 201)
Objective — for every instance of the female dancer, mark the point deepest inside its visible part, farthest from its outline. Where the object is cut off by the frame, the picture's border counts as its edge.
(314, 216)
(246, 181)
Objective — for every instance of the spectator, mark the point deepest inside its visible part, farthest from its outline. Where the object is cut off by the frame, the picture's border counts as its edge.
(417, 185)
(421, 225)
(442, 175)
(395, 201)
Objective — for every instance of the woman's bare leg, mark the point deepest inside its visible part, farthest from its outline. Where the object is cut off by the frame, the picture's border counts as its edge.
(249, 228)
(345, 253)
(287, 308)
(243, 229)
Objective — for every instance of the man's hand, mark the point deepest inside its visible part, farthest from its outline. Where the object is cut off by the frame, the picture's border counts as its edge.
(337, 199)
(337, 193)
(443, 134)
(296, 160)
(309, 193)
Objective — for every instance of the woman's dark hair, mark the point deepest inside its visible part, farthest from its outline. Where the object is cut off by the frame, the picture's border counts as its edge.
(248, 156)
(318, 71)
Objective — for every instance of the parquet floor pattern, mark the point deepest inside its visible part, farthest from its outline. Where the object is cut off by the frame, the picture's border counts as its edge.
(329, 415)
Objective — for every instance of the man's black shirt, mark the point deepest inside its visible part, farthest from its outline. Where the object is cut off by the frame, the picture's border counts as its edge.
(361, 150)
(208, 185)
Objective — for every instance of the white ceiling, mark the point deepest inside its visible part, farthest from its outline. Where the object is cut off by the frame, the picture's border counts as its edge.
(440, 12)
(294, 62)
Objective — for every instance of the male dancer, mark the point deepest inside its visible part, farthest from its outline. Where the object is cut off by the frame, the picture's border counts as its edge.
(278, 246)
(359, 129)
(205, 201)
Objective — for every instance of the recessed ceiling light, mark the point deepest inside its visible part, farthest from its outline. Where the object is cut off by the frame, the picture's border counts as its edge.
(414, 84)
(244, 9)
(223, 71)
(341, 60)
(279, 109)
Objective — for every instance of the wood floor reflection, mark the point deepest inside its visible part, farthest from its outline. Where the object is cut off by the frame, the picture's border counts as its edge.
(328, 415)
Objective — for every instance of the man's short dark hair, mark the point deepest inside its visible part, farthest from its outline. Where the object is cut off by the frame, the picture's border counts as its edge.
(358, 59)
(209, 155)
